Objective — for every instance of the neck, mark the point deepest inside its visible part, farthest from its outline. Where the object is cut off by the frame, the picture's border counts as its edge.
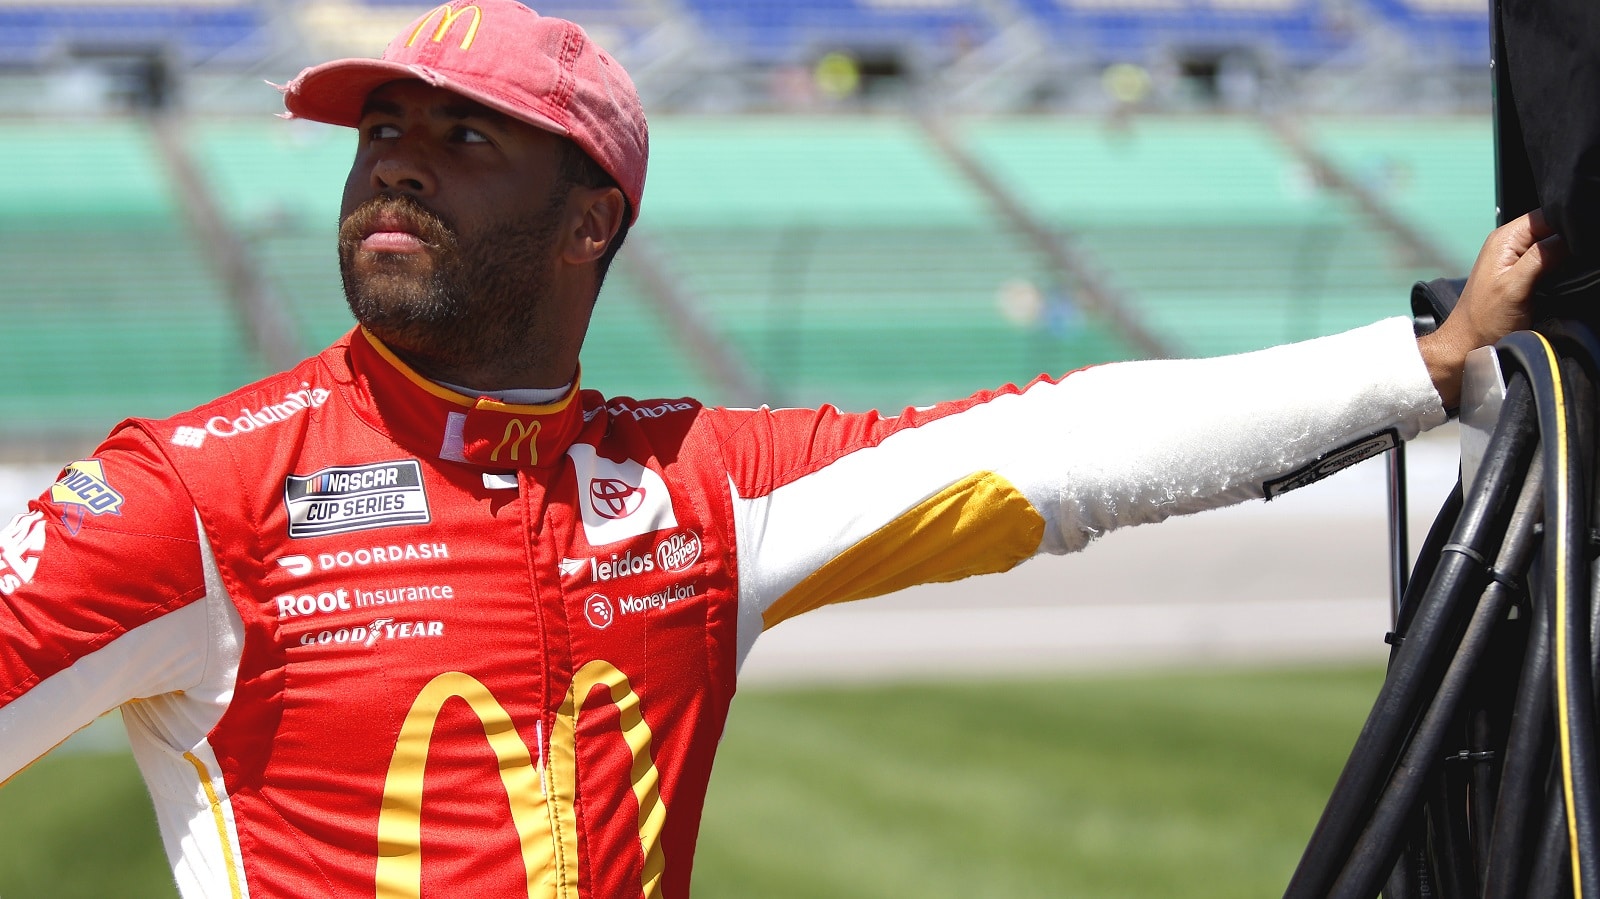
(487, 375)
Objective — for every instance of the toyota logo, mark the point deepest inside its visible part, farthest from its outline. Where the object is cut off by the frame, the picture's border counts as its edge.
(612, 498)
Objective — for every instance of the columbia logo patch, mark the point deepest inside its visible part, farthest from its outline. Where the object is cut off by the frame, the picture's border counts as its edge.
(356, 498)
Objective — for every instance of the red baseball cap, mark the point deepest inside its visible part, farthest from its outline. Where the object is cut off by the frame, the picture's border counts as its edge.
(537, 69)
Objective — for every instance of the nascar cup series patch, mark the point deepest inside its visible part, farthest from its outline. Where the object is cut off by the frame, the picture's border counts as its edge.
(356, 498)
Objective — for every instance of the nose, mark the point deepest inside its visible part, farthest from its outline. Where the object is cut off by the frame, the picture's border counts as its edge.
(403, 166)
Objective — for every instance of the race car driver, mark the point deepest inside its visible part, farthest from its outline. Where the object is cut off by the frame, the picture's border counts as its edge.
(423, 615)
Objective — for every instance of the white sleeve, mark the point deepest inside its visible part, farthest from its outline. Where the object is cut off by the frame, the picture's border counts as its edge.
(1051, 467)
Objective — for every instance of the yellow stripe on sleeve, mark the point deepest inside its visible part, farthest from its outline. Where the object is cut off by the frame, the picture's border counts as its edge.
(221, 821)
(978, 525)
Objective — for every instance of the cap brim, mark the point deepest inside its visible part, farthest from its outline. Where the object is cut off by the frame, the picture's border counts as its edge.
(336, 92)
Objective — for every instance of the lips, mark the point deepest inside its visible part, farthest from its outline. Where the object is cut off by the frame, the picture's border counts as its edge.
(393, 225)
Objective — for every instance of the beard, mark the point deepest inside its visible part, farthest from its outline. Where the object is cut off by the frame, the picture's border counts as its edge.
(461, 301)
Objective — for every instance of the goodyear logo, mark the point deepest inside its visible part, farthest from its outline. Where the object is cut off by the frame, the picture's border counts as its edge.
(84, 490)
(447, 18)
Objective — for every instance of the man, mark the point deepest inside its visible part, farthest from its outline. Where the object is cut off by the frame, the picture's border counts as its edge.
(422, 615)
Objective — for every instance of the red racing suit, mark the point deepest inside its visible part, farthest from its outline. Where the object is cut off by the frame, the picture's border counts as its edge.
(372, 636)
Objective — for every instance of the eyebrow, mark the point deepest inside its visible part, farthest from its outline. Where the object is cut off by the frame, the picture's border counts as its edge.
(459, 110)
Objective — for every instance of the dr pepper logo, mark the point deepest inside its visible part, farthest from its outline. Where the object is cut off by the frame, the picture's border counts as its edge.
(678, 552)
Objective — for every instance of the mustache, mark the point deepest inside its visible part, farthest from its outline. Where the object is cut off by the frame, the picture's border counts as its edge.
(399, 209)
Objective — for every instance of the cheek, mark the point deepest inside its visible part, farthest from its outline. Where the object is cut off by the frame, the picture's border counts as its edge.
(356, 191)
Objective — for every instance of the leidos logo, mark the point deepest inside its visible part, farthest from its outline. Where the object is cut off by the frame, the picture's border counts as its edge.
(619, 500)
(447, 18)
(676, 554)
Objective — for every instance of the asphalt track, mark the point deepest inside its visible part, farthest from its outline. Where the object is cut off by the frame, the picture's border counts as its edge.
(1303, 578)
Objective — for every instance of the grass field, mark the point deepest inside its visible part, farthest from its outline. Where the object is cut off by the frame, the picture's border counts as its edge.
(1171, 785)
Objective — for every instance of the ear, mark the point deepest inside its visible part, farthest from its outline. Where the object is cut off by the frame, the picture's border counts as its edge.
(596, 215)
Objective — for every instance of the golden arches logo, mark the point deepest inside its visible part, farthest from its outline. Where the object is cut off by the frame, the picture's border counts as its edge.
(541, 797)
(400, 821)
(636, 733)
(447, 18)
(517, 432)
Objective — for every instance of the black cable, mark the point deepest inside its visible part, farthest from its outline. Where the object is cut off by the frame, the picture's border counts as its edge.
(1566, 556)
(1427, 563)
(1433, 627)
(1551, 877)
(1527, 761)
(1373, 854)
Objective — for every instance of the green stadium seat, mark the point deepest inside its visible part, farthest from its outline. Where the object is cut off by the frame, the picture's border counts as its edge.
(112, 309)
(1219, 238)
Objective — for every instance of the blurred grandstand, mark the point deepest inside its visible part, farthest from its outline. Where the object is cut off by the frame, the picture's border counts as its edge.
(868, 202)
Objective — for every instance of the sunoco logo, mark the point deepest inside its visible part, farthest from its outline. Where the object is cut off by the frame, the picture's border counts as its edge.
(356, 498)
(678, 552)
(84, 490)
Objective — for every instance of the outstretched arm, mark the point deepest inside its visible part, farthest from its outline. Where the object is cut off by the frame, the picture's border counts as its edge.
(1495, 301)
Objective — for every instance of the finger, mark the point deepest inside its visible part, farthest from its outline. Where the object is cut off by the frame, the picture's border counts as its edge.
(1538, 225)
(1513, 239)
(1539, 258)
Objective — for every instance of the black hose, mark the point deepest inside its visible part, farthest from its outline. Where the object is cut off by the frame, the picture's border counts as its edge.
(1527, 761)
(1373, 856)
(1566, 557)
(1428, 556)
(1433, 629)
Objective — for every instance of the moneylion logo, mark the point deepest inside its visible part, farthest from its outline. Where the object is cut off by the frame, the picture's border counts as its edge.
(447, 18)
(599, 611)
(518, 432)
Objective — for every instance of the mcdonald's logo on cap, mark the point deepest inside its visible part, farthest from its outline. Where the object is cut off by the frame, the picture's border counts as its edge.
(447, 18)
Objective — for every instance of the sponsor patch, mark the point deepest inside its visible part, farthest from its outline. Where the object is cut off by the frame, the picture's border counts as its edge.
(632, 605)
(1334, 462)
(21, 543)
(619, 500)
(188, 436)
(599, 610)
(366, 636)
(340, 599)
(678, 552)
(293, 403)
(365, 556)
(356, 498)
(83, 490)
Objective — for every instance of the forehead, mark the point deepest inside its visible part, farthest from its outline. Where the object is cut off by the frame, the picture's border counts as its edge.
(413, 97)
